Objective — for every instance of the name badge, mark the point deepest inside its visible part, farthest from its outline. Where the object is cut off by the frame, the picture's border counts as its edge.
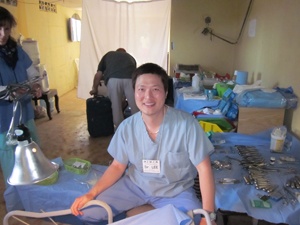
(151, 166)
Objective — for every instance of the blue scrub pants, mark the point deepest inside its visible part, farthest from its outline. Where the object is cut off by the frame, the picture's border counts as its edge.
(125, 195)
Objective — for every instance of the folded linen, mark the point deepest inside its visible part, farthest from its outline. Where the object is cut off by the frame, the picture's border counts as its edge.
(187, 96)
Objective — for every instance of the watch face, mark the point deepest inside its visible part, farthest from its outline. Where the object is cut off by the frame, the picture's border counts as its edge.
(212, 216)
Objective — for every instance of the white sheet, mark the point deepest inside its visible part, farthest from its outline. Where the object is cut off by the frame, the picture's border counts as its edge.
(162, 216)
(141, 28)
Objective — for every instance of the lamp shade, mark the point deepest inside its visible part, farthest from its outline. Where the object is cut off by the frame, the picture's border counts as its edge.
(31, 166)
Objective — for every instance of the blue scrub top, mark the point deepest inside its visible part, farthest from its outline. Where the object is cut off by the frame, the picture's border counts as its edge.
(181, 144)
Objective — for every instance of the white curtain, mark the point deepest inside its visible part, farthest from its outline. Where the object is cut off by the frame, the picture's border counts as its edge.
(141, 28)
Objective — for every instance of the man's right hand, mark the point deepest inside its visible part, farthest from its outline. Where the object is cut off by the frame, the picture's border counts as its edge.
(93, 92)
(79, 203)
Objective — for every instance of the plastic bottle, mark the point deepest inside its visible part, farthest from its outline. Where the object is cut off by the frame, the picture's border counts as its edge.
(201, 86)
(196, 82)
(210, 95)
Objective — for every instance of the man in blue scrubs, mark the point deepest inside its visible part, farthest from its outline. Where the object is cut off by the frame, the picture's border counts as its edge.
(157, 154)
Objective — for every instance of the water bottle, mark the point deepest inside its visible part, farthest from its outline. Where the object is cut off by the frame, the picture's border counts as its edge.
(210, 95)
(196, 82)
(202, 89)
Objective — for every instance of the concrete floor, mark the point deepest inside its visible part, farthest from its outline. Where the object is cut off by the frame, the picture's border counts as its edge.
(66, 136)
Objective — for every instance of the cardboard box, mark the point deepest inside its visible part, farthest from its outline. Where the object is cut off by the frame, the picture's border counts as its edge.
(254, 120)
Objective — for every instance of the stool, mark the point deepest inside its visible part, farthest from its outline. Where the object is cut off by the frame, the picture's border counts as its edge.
(46, 96)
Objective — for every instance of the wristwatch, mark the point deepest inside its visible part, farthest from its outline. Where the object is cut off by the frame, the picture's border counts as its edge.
(212, 216)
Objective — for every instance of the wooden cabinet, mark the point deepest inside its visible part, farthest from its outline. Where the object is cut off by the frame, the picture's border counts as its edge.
(253, 120)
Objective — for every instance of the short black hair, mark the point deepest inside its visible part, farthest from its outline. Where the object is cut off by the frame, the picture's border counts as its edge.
(153, 69)
(6, 17)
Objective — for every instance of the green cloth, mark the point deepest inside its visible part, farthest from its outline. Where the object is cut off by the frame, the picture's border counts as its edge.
(222, 87)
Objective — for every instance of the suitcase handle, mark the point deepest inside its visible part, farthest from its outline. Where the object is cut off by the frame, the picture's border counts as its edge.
(97, 96)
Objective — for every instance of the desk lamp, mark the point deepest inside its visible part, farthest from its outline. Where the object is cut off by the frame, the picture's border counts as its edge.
(31, 166)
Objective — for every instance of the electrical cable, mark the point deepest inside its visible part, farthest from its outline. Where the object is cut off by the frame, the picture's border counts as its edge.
(58, 213)
(207, 30)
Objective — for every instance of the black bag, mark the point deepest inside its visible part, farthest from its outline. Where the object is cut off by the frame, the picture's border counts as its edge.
(99, 116)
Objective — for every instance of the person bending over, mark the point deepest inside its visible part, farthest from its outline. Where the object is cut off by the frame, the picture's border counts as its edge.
(116, 68)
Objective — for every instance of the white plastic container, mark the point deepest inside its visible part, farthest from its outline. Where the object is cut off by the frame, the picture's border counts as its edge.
(196, 82)
(43, 74)
(31, 47)
(278, 136)
(277, 143)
